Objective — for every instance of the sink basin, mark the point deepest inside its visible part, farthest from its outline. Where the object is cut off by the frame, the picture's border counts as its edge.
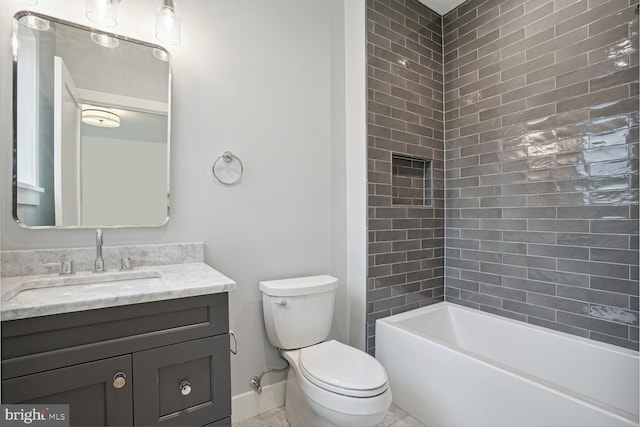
(86, 279)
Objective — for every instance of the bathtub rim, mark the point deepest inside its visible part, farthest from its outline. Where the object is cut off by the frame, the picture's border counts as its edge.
(393, 320)
(446, 305)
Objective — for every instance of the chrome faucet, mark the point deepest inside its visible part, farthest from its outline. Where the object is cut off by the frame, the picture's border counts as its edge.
(99, 265)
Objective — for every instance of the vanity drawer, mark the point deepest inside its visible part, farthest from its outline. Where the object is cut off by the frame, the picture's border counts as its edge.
(186, 384)
(42, 343)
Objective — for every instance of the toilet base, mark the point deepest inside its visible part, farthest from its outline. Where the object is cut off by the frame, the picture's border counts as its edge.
(297, 410)
(302, 411)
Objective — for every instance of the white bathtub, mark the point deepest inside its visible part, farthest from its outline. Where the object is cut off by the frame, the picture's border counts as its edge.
(449, 365)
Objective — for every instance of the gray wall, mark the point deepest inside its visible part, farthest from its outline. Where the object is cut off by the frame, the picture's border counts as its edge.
(264, 79)
(406, 242)
(542, 163)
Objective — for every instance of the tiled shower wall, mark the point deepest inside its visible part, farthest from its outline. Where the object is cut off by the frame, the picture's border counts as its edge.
(405, 117)
(541, 101)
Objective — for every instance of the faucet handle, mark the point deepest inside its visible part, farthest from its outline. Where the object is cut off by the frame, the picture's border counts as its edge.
(66, 267)
(99, 266)
(125, 263)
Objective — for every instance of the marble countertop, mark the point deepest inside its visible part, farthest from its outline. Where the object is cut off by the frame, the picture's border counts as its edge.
(44, 294)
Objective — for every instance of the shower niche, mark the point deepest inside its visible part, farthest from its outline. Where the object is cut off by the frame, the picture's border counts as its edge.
(411, 181)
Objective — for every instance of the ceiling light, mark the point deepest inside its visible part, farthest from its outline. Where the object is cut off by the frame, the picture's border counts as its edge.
(35, 23)
(104, 40)
(103, 12)
(101, 117)
(28, 2)
(168, 23)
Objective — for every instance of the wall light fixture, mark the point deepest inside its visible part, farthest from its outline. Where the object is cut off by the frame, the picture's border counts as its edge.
(103, 12)
(168, 23)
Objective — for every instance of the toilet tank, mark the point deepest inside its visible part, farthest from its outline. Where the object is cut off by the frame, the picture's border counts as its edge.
(298, 312)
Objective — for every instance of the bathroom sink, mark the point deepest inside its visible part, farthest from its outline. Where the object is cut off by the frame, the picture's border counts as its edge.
(87, 280)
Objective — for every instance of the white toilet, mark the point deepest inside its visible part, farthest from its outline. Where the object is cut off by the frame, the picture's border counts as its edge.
(329, 383)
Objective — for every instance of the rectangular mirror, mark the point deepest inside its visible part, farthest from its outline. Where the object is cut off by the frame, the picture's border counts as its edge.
(91, 127)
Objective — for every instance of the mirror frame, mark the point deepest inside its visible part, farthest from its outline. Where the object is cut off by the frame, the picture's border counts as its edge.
(14, 177)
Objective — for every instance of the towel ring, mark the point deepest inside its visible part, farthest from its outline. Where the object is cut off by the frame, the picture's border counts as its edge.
(228, 157)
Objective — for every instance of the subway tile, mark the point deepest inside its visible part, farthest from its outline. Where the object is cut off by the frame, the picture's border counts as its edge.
(529, 237)
(567, 92)
(561, 14)
(462, 243)
(558, 303)
(528, 42)
(389, 303)
(478, 255)
(529, 310)
(502, 292)
(529, 285)
(590, 267)
(604, 81)
(615, 226)
(541, 262)
(590, 16)
(505, 247)
(558, 277)
(481, 277)
(592, 99)
(565, 252)
(554, 69)
(561, 225)
(554, 44)
(601, 40)
(503, 270)
(503, 224)
(389, 258)
(621, 286)
(481, 299)
(502, 42)
(593, 240)
(609, 109)
(614, 314)
(615, 256)
(607, 213)
(461, 284)
(481, 234)
(592, 324)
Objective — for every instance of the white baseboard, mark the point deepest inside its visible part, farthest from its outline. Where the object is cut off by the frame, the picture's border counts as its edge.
(250, 404)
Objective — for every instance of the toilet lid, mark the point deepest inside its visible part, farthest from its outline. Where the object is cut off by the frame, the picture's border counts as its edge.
(341, 369)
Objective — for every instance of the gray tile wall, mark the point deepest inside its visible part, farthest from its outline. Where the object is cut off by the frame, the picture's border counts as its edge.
(541, 119)
(405, 116)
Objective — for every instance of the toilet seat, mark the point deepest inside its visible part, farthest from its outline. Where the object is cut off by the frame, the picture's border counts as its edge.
(344, 370)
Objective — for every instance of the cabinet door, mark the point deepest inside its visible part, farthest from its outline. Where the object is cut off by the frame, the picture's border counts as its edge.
(186, 384)
(89, 390)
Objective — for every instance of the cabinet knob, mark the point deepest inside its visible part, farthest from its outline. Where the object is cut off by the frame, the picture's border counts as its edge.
(119, 380)
(185, 388)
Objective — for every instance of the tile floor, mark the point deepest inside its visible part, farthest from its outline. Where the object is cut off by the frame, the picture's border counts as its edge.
(396, 417)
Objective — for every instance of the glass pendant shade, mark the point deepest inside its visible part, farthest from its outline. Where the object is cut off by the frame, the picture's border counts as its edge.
(168, 23)
(103, 12)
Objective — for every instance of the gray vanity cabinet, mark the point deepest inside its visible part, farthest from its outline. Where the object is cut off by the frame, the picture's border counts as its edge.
(158, 363)
(87, 388)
